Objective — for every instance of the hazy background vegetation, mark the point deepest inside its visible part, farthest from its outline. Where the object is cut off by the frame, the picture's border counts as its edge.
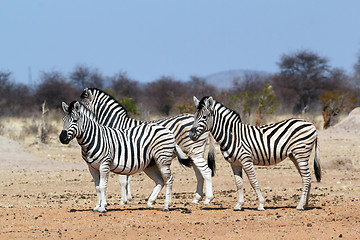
(304, 83)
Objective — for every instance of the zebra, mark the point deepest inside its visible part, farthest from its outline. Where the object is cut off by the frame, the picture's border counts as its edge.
(244, 146)
(111, 113)
(147, 147)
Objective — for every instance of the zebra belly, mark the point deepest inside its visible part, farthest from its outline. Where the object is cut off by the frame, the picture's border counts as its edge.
(129, 166)
(268, 161)
(125, 170)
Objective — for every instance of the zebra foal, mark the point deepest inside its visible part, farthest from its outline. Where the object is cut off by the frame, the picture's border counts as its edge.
(244, 146)
(148, 147)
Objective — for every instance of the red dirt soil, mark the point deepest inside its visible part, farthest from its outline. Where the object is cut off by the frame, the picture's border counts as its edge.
(47, 192)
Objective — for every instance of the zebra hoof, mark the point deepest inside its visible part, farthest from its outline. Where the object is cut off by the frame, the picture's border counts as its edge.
(207, 201)
(165, 209)
(195, 201)
(101, 210)
(300, 208)
(129, 197)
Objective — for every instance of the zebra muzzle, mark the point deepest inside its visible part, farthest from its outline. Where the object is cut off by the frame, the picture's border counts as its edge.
(63, 137)
(192, 134)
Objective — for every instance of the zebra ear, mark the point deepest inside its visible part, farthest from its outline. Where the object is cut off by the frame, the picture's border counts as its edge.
(210, 102)
(65, 107)
(86, 94)
(77, 106)
(90, 96)
(196, 101)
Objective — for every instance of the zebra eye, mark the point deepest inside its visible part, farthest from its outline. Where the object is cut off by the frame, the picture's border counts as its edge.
(75, 121)
(204, 117)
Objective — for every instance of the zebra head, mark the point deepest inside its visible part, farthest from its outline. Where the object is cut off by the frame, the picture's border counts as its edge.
(87, 98)
(72, 121)
(204, 117)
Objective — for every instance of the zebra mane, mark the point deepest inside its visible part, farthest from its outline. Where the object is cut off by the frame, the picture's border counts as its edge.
(83, 110)
(97, 91)
(71, 106)
(202, 105)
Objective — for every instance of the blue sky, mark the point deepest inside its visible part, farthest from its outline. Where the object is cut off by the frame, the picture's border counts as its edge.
(148, 39)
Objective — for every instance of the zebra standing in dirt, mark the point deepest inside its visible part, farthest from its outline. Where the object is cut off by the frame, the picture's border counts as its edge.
(148, 147)
(244, 146)
(111, 113)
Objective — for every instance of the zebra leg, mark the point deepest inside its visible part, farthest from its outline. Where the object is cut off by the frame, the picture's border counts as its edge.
(199, 186)
(168, 179)
(248, 167)
(104, 174)
(129, 195)
(96, 176)
(123, 180)
(304, 171)
(237, 170)
(202, 172)
(154, 173)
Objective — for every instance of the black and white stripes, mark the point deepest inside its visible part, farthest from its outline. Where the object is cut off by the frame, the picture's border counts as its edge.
(147, 147)
(110, 112)
(244, 145)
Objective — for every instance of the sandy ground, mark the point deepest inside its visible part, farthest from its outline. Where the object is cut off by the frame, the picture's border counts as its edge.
(47, 192)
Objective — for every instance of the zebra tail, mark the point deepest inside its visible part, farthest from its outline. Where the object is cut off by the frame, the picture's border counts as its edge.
(183, 159)
(317, 167)
(211, 155)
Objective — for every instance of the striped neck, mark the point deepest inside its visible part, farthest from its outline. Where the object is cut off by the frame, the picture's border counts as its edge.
(225, 121)
(89, 122)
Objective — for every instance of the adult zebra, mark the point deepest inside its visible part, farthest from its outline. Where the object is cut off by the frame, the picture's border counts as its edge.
(244, 146)
(111, 113)
(148, 147)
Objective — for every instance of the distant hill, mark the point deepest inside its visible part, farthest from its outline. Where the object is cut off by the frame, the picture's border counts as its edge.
(225, 79)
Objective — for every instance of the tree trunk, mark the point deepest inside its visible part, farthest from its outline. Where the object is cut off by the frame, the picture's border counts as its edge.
(258, 118)
(42, 131)
(327, 117)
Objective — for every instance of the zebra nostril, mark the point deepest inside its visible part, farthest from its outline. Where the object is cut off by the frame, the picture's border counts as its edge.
(63, 137)
(193, 130)
(192, 134)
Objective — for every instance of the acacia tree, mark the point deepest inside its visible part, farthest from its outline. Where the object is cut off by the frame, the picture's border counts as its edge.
(196, 86)
(163, 94)
(264, 102)
(54, 89)
(82, 77)
(126, 90)
(301, 77)
(335, 102)
(248, 93)
(124, 86)
(15, 98)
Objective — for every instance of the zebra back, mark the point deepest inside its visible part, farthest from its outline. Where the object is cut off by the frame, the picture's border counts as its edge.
(266, 145)
(107, 109)
(111, 113)
(128, 150)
